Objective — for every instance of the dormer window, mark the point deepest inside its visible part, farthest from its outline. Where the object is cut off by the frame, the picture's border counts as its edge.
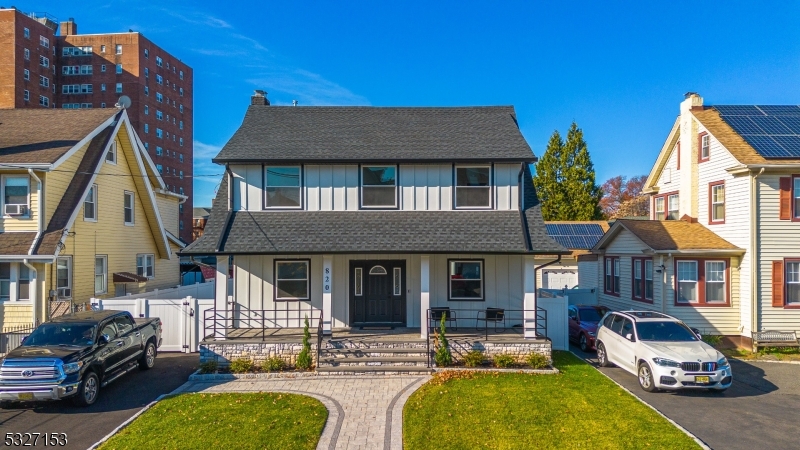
(283, 187)
(473, 187)
(379, 187)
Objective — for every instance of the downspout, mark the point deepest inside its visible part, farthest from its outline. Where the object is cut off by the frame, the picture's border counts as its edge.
(536, 269)
(663, 283)
(754, 253)
(35, 280)
(40, 202)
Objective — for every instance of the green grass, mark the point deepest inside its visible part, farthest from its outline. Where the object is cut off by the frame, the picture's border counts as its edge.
(579, 408)
(779, 353)
(223, 421)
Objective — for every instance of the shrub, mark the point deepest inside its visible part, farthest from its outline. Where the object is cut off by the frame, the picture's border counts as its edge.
(443, 357)
(304, 358)
(712, 339)
(274, 364)
(209, 367)
(241, 365)
(504, 361)
(473, 358)
(537, 360)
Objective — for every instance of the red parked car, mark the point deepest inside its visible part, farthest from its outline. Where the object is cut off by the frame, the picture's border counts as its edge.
(583, 321)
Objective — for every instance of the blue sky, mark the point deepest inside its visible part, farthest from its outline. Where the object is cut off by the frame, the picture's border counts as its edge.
(619, 69)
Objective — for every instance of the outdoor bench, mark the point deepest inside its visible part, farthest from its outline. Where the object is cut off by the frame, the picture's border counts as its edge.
(773, 338)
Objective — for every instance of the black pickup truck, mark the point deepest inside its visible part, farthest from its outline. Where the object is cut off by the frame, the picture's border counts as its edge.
(73, 356)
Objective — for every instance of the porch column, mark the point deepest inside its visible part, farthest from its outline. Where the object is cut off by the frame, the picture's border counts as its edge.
(327, 285)
(530, 296)
(221, 298)
(424, 294)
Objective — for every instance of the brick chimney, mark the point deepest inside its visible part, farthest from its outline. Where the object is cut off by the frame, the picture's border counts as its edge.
(69, 28)
(259, 98)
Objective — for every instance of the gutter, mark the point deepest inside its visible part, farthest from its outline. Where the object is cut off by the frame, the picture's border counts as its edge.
(35, 280)
(696, 251)
(40, 219)
(754, 252)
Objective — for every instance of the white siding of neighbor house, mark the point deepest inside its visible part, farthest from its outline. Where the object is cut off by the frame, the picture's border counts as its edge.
(503, 283)
(714, 320)
(670, 177)
(336, 187)
(777, 239)
(736, 228)
(587, 275)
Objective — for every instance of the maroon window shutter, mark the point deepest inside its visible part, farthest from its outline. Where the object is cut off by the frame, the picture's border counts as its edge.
(777, 284)
(786, 198)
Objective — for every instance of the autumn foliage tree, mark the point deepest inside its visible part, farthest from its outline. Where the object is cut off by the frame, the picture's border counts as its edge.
(622, 197)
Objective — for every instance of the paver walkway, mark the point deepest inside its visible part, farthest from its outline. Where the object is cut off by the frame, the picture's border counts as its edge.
(364, 412)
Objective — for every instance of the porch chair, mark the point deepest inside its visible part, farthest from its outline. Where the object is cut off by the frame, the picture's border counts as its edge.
(449, 316)
(496, 315)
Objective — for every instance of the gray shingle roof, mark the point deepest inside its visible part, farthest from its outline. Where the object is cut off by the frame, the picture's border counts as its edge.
(340, 134)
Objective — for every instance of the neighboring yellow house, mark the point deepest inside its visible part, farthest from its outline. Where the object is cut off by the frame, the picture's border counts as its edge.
(84, 213)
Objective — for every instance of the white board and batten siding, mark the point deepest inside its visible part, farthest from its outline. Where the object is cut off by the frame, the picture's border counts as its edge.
(336, 187)
(777, 239)
(714, 320)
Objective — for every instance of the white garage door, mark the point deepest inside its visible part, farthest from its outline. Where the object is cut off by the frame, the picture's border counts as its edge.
(558, 279)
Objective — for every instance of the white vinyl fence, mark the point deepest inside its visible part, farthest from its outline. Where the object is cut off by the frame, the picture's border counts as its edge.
(576, 296)
(557, 325)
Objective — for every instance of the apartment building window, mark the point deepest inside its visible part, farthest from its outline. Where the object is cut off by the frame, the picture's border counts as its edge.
(146, 53)
(100, 274)
(128, 207)
(716, 202)
(181, 142)
(90, 205)
(64, 277)
(147, 146)
(86, 105)
(167, 65)
(146, 128)
(26, 95)
(44, 42)
(103, 87)
(26, 74)
(283, 187)
(181, 125)
(159, 133)
(160, 168)
(86, 89)
(473, 187)
(181, 189)
(159, 115)
(180, 174)
(27, 54)
(144, 265)
(102, 49)
(44, 101)
(44, 81)
(118, 48)
(43, 61)
(111, 156)
(76, 51)
(465, 280)
(611, 275)
(119, 68)
(86, 69)
(103, 105)
(26, 33)
(291, 280)
(159, 151)
(180, 222)
(146, 72)
(379, 186)
(181, 108)
(16, 195)
(119, 88)
(181, 74)
(146, 90)
(181, 91)
(159, 97)
(159, 79)
(159, 61)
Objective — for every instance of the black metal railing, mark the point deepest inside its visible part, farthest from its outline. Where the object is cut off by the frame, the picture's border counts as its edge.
(496, 320)
(222, 322)
(12, 337)
(319, 338)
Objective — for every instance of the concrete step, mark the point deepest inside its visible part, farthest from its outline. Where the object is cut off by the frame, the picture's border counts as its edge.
(362, 351)
(374, 369)
(375, 359)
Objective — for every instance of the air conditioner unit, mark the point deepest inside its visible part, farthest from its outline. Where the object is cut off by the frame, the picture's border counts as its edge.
(64, 292)
(15, 210)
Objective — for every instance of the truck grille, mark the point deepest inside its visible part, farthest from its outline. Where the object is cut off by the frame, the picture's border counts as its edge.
(698, 367)
(30, 370)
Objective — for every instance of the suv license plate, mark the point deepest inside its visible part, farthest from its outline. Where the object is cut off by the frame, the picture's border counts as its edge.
(25, 395)
(701, 379)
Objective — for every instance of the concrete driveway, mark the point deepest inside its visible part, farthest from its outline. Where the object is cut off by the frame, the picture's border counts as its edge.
(117, 403)
(758, 411)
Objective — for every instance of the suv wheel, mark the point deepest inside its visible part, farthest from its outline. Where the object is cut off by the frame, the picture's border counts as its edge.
(646, 380)
(602, 356)
(88, 390)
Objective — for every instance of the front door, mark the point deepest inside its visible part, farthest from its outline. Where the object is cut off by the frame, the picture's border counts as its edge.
(378, 293)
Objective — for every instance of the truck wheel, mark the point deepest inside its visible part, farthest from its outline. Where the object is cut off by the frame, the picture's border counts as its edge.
(88, 390)
(5, 405)
(148, 359)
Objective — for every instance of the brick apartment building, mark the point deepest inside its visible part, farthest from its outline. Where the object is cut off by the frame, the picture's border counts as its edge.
(70, 70)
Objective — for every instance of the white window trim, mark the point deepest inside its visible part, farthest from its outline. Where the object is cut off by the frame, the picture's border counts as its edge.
(724, 282)
(308, 278)
(456, 187)
(787, 281)
(104, 274)
(696, 282)
(705, 146)
(299, 187)
(112, 152)
(361, 186)
(450, 297)
(133, 208)
(668, 210)
(3, 178)
(715, 203)
(69, 277)
(145, 258)
(94, 201)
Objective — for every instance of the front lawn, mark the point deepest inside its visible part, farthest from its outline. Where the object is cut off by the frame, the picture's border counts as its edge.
(579, 408)
(222, 421)
(764, 354)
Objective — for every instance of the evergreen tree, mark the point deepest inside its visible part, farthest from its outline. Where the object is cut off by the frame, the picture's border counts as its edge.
(304, 360)
(565, 179)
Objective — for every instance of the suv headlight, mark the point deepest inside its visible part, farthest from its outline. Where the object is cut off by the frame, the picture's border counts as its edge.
(723, 362)
(666, 362)
(73, 367)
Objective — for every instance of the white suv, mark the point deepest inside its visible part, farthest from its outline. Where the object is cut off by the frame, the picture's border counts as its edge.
(661, 351)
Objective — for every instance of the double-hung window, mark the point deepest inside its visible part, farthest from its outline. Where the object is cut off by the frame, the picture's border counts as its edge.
(465, 280)
(687, 282)
(24, 283)
(283, 187)
(291, 280)
(642, 279)
(796, 197)
(90, 205)
(119, 88)
(658, 208)
(611, 275)
(111, 156)
(128, 205)
(701, 282)
(16, 195)
(704, 142)
(5, 281)
(379, 186)
(118, 48)
(673, 206)
(119, 68)
(64, 277)
(715, 282)
(144, 265)
(792, 285)
(100, 274)
(716, 201)
(473, 187)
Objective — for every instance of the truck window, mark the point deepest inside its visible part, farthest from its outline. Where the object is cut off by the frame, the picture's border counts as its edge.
(124, 324)
(109, 329)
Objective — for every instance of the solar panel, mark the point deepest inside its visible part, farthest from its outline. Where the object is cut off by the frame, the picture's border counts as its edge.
(575, 235)
(772, 130)
(780, 110)
(789, 143)
(793, 123)
(743, 125)
(770, 125)
(739, 110)
(765, 146)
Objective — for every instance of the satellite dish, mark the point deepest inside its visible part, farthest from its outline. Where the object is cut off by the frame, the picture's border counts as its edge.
(124, 102)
